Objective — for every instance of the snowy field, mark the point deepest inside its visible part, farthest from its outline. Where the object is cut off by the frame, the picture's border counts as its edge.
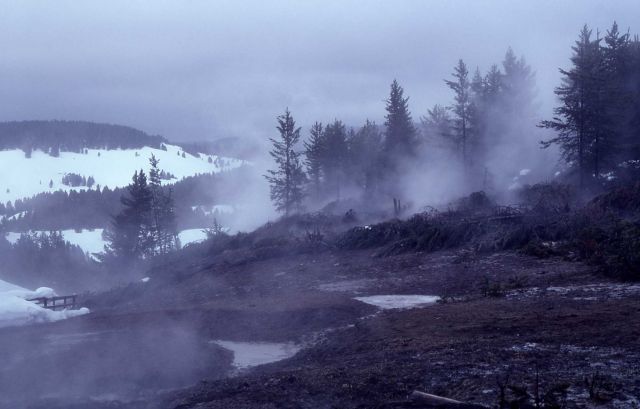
(112, 168)
(16, 310)
(91, 241)
(389, 302)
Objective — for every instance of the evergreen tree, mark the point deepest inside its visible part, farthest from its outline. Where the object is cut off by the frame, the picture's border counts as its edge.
(632, 142)
(462, 109)
(493, 84)
(28, 150)
(618, 100)
(578, 120)
(477, 83)
(335, 156)
(486, 115)
(314, 153)
(163, 235)
(287, 180)
(400, 135)
(518, 81)
(128, 234)
(437, 128)
(365, 149)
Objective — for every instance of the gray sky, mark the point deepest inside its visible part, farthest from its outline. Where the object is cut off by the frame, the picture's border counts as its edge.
(199, 69)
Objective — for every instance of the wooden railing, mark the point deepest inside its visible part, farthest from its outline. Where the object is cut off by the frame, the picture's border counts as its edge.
(64, 302)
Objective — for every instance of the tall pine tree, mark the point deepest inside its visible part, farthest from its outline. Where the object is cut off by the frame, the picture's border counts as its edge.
(462, 109)
(578, 120)
(436, 128)
(163, 236)
(400, 134)
(287, 180)
(127, 237)
(365, 149)
(618, 101)
(335, 157)
(314, 152)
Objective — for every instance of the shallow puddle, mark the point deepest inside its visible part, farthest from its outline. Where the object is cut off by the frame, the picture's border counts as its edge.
(389, 302)
(248, 354)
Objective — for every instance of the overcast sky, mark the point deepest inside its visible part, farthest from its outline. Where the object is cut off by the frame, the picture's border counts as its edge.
(193, 70)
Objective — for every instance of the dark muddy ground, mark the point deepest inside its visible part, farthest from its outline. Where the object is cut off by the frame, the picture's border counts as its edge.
(507, 317)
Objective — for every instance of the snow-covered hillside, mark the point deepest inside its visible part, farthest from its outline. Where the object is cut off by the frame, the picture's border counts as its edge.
(22, 177)
(91, 241)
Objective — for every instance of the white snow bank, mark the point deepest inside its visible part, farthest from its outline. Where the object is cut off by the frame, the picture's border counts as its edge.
(28, 294)
(6, 286)
(388, 302)
(192, 236)
(247, 354)
(16, 310)
(17, 291)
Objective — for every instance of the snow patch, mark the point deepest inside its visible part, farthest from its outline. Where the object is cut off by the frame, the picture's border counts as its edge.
(248, 354)
(215, 209)
(388, 302)
(16, 216)
(192, 236)
(16, 310)
(90, 241)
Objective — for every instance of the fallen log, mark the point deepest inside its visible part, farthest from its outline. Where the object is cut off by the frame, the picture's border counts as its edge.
(435, 401)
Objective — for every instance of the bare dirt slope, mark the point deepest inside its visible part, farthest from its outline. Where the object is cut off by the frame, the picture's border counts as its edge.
(506, 317)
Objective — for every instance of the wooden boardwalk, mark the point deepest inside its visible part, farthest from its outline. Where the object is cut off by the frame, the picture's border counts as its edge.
(64, 302)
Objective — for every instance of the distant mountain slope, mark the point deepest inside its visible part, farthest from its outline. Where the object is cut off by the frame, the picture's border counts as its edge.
(244, 148)
(72, 136)
(23, 177)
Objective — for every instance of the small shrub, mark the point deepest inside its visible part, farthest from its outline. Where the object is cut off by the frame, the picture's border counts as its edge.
(600, 387)
(491, 289)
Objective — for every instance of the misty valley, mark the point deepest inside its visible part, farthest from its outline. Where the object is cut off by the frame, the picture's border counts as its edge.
(163, 245)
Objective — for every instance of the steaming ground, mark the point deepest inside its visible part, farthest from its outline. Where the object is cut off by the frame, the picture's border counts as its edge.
(352, 330)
